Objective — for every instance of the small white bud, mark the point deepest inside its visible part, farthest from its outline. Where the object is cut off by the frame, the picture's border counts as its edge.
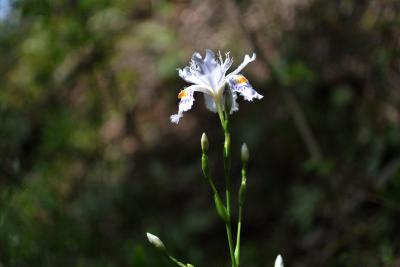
(204, 142)
(245, 153)
(155, 241)
(279, 261)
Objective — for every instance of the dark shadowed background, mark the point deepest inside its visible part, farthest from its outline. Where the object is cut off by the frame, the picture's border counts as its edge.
(89, 161)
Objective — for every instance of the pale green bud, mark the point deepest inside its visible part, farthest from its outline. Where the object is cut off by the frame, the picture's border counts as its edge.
(155, 241)
(279, 261)
(245, 153)
(204, 142)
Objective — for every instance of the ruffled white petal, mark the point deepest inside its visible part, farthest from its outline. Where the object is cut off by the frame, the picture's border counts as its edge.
(227, 63)
(247, 59)
(239, 84)
(209, 64)
(209, 70)
(189, 75)
(186, 101)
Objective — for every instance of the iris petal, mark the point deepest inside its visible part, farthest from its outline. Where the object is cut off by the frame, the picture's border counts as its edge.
(247, 59)
(186, 97)
(210, 103)
(239, 84)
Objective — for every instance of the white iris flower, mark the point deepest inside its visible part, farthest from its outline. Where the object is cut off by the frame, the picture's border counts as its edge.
(208, 76)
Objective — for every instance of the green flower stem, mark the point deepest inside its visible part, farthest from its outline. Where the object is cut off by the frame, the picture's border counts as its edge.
(206, 172)
(221, 210)
(174, 260)
(227, 166)
(158, 244)
(230, 243)
(239, 227)
(241, 197)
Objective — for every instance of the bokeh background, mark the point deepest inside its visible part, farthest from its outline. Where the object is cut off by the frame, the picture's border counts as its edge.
(89, 161)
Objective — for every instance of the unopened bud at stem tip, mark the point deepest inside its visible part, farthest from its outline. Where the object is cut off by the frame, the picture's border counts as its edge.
(204, 142)
(245, 153)
(155, 241)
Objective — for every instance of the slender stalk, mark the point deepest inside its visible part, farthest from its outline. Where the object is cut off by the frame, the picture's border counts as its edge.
(174, 260)
(221, 210)
(241, 197)
(159, 245)
(206, 172)
(227, 166)
(230, 244)
(239, 229)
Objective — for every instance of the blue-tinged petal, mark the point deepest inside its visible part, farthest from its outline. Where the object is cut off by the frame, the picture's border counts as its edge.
(210, 103)
(239, 84)
(186, 97)
(210, 63)
(185, 103)
(204, 65)
(207, 69)
(190, 76)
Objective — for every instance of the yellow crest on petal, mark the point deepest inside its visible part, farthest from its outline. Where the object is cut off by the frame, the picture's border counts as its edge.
(240, 79)
(182, 94)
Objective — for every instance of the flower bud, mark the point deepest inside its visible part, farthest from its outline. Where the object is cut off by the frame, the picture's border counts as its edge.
(204, 142)
(278, 261)
(155, 241)
(245, 153)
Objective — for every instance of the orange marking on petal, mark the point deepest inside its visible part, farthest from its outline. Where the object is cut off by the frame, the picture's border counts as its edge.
(182, 94)
(240, 79)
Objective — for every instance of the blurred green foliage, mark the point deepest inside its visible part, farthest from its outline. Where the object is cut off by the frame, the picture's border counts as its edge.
(89, 161)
